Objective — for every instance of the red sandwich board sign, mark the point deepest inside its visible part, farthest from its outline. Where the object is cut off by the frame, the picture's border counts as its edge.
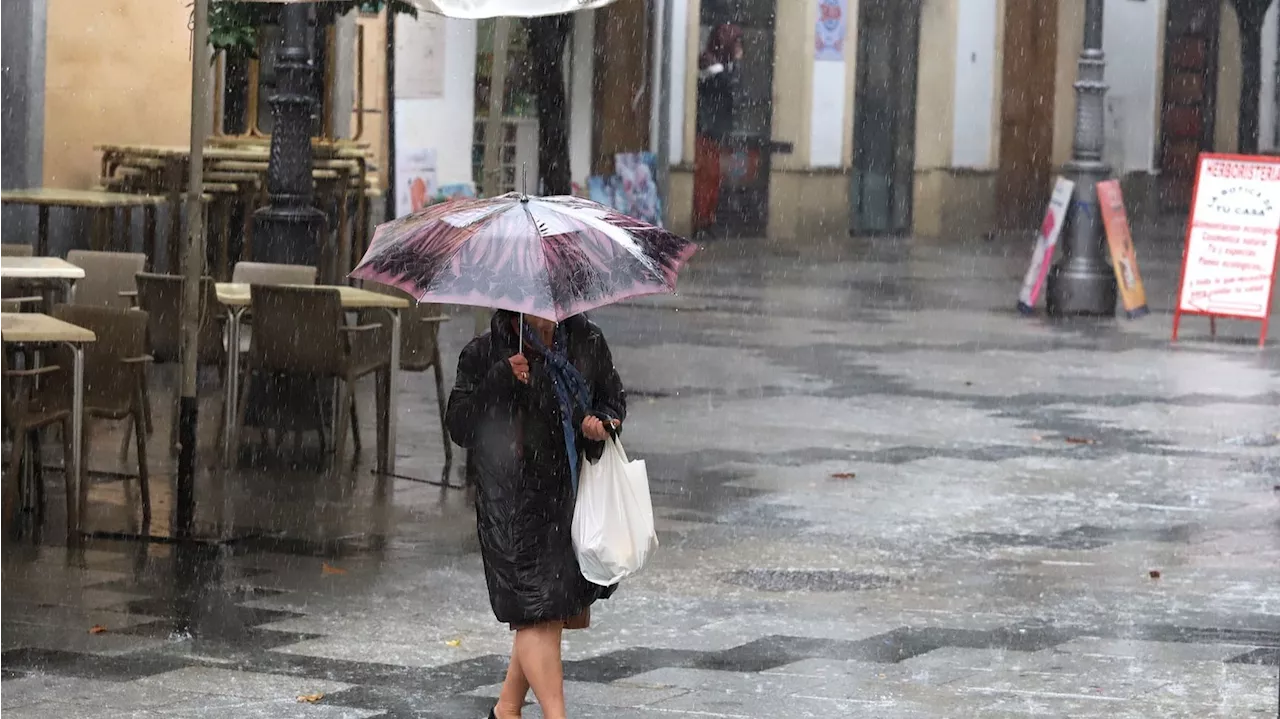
(1229, 263)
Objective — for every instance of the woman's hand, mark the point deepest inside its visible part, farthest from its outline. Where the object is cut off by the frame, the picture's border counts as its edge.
(594, 429)
(519, 367)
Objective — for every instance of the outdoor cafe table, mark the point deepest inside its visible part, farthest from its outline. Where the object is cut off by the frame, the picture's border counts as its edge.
(43, 268)
(31, 328)
(103, 204)
(237, 297)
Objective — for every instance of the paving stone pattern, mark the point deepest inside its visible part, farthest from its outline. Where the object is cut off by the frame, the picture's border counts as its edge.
(879, 491)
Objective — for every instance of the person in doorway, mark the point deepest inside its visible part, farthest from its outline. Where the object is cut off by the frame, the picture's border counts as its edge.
(527, 411)
(717, 78)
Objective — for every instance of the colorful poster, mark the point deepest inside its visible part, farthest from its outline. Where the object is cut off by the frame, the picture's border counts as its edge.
(636, 187)
(416, 177)
(1228, 266)
(829, 30)
(1124, 260)
(1046, 244)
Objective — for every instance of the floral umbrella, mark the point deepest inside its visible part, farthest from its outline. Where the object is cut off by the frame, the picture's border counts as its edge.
(551, 257)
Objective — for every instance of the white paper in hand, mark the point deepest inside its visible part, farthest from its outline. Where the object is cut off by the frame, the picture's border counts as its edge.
(613, 533)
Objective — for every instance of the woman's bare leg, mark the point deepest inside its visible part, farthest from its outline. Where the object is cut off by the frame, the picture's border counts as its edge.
(537, 649)
(514, 689)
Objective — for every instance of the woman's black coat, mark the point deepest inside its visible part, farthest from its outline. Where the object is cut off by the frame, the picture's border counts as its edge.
(524, 498)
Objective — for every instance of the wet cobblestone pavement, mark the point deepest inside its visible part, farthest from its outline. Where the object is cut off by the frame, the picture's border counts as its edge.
(880, 493)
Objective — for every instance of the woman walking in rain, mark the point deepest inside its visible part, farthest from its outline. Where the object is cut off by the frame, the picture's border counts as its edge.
(526, 411)
(717, 77)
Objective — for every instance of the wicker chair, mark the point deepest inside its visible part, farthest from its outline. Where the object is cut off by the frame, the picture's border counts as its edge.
(114, 380)
(419, 349)
(26, 413)
(160, 296)
(301, 331)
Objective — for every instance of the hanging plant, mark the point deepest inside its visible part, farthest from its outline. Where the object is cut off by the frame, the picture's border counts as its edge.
(234, 25)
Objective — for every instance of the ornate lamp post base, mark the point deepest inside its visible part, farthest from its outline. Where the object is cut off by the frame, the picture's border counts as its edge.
(1082, 283)
(288, 235)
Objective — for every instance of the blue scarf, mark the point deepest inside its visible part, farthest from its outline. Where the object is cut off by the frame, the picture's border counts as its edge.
(570, 386)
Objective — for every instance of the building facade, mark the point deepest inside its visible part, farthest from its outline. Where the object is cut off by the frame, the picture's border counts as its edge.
(950, 117)
(940, 118)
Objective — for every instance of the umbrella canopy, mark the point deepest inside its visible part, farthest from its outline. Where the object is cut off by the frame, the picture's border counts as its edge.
(478, 9)
(551, 257)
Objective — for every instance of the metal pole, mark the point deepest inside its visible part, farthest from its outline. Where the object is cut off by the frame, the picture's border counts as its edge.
(289, 228)
(390, 169)
(663, 125)
(193, 266)
(1082, 283)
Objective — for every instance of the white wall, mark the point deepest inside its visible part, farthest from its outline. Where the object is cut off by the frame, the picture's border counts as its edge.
(975, 101)
(1131, 34)
(678, 41)
(443, 123)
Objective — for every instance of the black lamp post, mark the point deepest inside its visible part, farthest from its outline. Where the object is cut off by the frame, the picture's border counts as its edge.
(289, 228)
(1082, 283)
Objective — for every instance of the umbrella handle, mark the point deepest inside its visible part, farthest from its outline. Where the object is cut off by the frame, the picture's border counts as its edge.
(521, 333)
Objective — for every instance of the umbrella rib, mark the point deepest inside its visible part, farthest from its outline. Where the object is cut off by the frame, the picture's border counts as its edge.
(546, 261)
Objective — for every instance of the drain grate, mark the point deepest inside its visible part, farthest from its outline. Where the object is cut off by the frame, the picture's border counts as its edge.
(805, 580)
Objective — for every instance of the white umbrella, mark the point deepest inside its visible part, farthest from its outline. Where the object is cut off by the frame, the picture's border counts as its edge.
(480, 9)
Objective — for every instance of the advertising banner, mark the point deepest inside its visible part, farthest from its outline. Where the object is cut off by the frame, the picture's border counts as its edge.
(1046, 243)
(1124, 260)
(1229, 263)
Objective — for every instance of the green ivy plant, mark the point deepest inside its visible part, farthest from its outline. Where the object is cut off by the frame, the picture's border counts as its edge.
(233, 25)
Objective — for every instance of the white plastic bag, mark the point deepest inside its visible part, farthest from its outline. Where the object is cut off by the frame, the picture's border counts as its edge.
(613, 530)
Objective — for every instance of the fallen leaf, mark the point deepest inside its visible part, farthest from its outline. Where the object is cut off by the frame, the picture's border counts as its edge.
(454, 643)
(1081, 440)
(844, 475)
(968, 384)
(1154, 574)
(326, 568)
(97, 629)
(310, 698)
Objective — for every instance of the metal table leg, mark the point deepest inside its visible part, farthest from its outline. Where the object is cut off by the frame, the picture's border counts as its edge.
(387, 462)
(76, 480)
(230, 403)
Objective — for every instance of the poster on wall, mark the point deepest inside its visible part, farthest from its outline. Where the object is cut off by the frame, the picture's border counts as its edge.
(420, 49)
(1046, 244)
(1229, 264)
(416, 179)
(636, 187)
(1124, 259)
(829, 30)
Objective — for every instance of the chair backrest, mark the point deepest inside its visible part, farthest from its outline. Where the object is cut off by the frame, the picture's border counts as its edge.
(418, 339)
(109, 384)
(106, 275)
(16, 249)
(160, 296)
(297, 330)
(267, 273)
